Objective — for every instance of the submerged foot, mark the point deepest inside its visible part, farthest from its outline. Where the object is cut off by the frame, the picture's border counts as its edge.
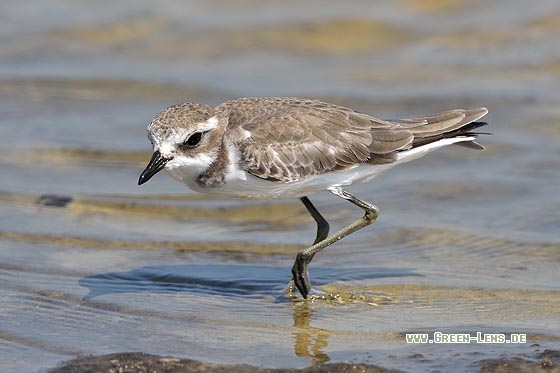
(300, 274)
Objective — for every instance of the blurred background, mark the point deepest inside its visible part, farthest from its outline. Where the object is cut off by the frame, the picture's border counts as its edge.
(467, 241)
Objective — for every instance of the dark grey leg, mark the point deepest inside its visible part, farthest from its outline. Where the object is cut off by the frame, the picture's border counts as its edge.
(322, 223)
(300, 273)
(299, 270)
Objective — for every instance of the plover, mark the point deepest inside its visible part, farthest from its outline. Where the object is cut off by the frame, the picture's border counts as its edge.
(277, 148)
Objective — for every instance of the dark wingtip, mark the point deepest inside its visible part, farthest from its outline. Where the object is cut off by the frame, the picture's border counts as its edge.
(471, 126)
(465, 131)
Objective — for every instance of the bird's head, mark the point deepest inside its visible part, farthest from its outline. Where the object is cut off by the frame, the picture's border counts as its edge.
(185, 140)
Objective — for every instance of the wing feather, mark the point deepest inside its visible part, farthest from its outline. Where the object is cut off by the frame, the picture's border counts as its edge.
(288, 139)
(298, 138)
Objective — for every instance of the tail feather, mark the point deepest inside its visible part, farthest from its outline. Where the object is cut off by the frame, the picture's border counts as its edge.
(464, 131)
(437, 124)
(400, 139)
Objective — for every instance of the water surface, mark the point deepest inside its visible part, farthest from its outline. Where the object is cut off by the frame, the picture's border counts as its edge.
(92, 264)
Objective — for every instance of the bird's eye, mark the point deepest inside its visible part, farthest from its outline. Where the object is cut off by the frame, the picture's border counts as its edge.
(193, 140)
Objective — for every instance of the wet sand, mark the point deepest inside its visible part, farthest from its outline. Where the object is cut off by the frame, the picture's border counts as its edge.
(547, 361)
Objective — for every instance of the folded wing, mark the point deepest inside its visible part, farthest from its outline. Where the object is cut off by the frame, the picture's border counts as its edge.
(288, 139)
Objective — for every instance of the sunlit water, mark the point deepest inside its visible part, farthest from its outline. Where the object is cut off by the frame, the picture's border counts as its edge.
(467, 241)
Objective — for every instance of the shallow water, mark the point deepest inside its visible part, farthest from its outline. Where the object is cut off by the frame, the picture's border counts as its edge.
(467, 241)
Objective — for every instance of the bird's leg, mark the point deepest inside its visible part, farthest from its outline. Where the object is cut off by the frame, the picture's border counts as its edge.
(322, 223)
(299, 270)
(300, 273)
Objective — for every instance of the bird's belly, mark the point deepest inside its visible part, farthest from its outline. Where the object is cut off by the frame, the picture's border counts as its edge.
(251, 187)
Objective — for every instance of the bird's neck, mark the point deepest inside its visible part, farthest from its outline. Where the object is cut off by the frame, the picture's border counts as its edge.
(215, 174)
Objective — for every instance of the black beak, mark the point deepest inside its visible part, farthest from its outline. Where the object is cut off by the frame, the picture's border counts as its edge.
(156, 164)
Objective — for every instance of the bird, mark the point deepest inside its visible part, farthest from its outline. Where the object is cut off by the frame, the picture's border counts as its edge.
(270, 148)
